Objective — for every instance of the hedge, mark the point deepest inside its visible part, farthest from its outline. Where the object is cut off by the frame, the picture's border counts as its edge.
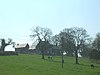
(8, 53)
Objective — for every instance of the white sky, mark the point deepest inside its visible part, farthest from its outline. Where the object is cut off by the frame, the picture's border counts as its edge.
(17, 17)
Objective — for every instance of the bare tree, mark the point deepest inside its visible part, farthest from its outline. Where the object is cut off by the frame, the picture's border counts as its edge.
(56, 40)
(41, 34)
(80, 36)
(69, 46)
(4, 44)
(96, 42)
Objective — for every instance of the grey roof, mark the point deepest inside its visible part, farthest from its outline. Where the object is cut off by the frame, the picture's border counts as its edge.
(21, 45)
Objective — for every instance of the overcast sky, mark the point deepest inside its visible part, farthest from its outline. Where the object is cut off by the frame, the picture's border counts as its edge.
(17, 17)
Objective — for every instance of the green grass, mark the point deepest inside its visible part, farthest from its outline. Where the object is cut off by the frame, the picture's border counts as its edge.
(34, 65)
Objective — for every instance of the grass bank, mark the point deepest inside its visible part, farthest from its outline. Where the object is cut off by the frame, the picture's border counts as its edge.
(34, 65)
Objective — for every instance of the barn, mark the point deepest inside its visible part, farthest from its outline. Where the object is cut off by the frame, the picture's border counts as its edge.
(22, 48)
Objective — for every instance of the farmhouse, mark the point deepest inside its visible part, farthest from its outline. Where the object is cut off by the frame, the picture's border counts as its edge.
(22, 48)
(55, 50)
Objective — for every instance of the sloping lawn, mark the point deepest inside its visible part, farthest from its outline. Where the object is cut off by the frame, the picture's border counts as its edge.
(34, 65)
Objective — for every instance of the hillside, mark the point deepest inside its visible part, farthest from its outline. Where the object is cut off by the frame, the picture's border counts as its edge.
(34, 65)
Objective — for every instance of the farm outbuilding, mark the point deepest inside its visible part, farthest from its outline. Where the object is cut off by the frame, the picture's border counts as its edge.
(22, 48)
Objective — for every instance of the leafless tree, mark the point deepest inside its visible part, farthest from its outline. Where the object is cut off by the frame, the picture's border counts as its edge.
(80, 36)
(4, 43)
(41, 34)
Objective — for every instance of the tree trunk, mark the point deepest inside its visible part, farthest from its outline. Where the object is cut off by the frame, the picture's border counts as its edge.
(42, 54)
(2, 48)
(76, 56)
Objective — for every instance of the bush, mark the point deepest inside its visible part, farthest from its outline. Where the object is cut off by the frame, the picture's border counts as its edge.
(7, 53)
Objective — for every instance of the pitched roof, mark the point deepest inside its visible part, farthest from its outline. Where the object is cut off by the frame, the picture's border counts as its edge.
(21, 45)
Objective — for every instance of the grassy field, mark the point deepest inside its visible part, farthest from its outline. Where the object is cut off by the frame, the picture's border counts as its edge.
(34, 65)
